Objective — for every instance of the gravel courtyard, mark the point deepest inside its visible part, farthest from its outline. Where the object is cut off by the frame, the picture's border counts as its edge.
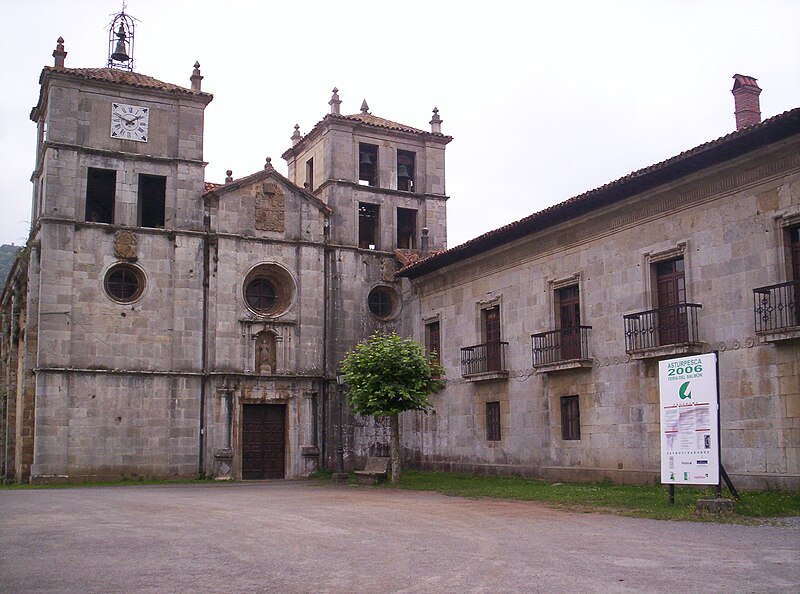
(287, 536)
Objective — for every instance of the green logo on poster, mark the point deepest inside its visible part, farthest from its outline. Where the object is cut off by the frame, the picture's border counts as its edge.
(683, 391)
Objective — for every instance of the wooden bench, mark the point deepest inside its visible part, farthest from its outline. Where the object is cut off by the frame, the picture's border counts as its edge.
(375, 471)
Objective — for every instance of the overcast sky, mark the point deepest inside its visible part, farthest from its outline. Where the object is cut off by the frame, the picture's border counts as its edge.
(545, 100)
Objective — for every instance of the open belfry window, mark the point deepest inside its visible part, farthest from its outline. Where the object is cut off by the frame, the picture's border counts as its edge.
(406, 228)
(405, 170)
(152, 196)
(101, 186)
(310, 174)
(367, 164)
(368, 225)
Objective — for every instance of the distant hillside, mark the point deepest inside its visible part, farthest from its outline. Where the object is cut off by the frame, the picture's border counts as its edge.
(7, 255)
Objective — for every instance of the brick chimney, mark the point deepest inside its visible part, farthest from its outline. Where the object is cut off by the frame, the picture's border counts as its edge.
(745, 97)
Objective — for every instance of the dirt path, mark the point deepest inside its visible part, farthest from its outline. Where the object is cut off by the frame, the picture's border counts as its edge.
(301, 537)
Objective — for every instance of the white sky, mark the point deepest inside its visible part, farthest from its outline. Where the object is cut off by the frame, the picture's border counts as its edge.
(545, 100)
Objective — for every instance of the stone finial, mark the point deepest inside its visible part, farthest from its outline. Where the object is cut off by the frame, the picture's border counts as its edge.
(747, 106)
(295, 138)
(59, 54)
(335, 102)
(436, 122)
(229, 176)
(196, 78)
(364, 107)
(424, 244)
(268, 164)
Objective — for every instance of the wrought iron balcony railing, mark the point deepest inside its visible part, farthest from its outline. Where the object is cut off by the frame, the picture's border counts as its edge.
(565, 344)
(676, 324)
(777, 307)
(483, 358)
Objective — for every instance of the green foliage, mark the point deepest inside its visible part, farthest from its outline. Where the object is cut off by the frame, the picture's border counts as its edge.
(387, 375)
(8, 253)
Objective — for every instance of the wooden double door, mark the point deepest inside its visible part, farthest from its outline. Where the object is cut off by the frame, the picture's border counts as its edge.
(264, 441)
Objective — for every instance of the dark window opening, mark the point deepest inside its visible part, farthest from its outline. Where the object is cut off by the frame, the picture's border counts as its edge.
(310, 174)
(432, 342)
(261, 295)
(124, 283)
(405, 170)
(492, 421)
(406, 228)
(381, 302)
(569, 321)
(152, 196)
(367, 226)
(367, 164)
(570, 417)
(794, 241)
(101, 186)
(314, 419)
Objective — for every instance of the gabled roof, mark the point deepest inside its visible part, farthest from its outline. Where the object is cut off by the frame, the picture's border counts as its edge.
(706, 155)
(113, 75)
(218, 190)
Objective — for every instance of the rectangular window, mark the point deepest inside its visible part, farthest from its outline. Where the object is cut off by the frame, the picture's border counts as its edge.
(794, 245)
(490, 322)
(309, 174)
(101, 188)
(569, 321)
(405, 170)
(570, 418)
(671, 293)
(152, 196)
(406, 229)
(367, 164)
(367, 226)
(432, 342)
(492, 421)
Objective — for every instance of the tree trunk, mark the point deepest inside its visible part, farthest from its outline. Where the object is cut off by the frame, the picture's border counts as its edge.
(394, 447)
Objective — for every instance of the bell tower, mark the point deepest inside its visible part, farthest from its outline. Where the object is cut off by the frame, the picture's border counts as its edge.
(383, 180)
(121, 36)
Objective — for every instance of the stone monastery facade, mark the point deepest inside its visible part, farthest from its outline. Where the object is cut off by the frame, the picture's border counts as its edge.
(160, 325)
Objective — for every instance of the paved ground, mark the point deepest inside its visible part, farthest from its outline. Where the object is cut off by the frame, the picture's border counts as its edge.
(302, 537)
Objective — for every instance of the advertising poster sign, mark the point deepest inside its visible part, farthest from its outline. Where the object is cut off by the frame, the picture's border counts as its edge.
(689, 420)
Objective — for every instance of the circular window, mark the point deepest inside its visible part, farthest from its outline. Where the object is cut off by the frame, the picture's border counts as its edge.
(382, 302)
(268, 289)
(124, 283)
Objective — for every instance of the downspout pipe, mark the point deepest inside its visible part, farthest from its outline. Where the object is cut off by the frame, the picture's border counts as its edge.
(326, 269)
(201, 465)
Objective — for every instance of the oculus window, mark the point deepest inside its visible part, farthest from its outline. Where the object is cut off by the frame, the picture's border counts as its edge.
(268, 290)
(124, 283)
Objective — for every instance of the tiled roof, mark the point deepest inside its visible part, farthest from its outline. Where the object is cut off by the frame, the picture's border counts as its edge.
(368, 118)
(125, 77)
(705, 155)
(211, 186)
(364, 118)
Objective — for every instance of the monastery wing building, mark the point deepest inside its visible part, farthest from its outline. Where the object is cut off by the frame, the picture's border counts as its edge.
(158, 325)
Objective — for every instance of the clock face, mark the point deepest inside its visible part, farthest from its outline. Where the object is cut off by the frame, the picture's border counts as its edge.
(129, 122)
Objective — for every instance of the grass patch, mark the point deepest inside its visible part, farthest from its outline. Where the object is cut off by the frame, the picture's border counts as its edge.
(629, 500)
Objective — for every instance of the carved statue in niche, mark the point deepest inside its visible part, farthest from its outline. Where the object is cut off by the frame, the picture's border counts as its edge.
(265, 353)
(269, 208)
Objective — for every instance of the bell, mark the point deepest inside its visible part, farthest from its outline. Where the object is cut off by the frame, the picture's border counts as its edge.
(366, 159)
(120, 52)
(402, 172)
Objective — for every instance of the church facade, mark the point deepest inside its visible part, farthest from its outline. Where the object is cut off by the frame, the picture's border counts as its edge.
(159, 325)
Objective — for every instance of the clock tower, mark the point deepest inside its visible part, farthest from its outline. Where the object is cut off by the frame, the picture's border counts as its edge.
(116, 272)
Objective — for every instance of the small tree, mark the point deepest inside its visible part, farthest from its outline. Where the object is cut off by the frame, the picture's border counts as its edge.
(388, 375)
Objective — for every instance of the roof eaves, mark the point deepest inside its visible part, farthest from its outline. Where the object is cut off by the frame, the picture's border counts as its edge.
(713, 152)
